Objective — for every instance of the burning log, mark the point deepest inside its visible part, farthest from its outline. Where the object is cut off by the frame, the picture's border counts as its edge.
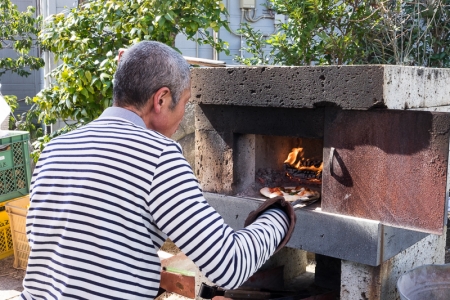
(302, 174)
(297, 166)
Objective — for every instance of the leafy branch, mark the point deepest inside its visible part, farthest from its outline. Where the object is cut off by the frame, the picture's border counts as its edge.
(86, 40)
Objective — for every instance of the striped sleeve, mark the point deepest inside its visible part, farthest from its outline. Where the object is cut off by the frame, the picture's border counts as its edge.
(179, 209)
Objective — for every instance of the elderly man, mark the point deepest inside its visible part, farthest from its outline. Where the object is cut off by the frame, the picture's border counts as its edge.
(105, 197)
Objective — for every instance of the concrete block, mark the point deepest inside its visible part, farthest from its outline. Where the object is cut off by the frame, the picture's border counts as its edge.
(445, 108)
(359, 281)
(293, 260)
(416, 87)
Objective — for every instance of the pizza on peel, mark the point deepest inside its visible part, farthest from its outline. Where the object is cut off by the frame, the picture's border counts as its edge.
(291, 194)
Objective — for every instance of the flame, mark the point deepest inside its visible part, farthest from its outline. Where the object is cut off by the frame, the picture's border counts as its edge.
(296, 159)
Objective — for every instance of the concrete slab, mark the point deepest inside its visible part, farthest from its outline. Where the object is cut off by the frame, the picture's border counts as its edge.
(354, 239)
(366, 282)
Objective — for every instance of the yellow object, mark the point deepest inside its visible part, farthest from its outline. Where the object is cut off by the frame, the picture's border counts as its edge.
(6, 240)
(17, 211)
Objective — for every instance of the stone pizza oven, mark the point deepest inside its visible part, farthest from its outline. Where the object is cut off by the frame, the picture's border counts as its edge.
(381, 136)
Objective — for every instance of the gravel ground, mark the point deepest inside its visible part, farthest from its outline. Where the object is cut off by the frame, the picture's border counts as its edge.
(447, 255)
(10, 279)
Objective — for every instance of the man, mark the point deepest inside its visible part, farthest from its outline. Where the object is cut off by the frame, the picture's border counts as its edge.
(105, 197)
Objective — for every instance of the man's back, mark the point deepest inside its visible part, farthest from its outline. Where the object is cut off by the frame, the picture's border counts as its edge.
(91, 224)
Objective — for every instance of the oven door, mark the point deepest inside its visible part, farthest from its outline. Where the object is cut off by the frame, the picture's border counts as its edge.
(387, 165)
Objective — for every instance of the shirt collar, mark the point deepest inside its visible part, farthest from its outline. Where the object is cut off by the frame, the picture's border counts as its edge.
(123, 113)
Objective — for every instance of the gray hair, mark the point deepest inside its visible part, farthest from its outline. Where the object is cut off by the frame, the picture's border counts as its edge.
(146, 67)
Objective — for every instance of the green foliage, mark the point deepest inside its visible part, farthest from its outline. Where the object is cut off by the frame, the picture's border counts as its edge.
(25, 122)
(329, 32)
(317, 31)
(28, 121)
(256, 45)
(415, 33)
(11, 101)
(18, 32)
(86, 40)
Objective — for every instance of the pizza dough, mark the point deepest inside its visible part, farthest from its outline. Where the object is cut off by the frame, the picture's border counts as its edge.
(291, 194)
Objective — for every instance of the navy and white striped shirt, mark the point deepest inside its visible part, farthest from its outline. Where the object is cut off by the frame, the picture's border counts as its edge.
(105, 197)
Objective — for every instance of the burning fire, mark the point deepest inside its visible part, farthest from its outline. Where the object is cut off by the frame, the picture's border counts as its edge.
(310, 167)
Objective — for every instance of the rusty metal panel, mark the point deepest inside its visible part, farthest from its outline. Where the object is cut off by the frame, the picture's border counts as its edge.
(179, 284)
(389, 166)
(178, 280)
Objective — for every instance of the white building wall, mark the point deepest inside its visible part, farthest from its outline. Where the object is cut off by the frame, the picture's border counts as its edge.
(50, 7)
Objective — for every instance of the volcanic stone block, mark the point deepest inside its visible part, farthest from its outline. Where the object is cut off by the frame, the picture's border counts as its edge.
(305, 123)
(214, 162)
(187, 143)
(244, 162)
(358, 87)
(202, 122)
(348, 87)
(187, 125)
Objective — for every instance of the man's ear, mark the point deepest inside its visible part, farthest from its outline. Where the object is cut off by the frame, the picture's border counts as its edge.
(121, 51)
(162, 98)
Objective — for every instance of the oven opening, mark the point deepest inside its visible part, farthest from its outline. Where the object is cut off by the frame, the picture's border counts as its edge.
(267, 165)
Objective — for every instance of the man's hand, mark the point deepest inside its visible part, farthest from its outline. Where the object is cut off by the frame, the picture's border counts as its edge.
(277, 202)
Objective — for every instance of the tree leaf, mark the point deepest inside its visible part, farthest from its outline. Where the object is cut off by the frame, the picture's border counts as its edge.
(88, 76)
(104, 76)
(68, 104)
